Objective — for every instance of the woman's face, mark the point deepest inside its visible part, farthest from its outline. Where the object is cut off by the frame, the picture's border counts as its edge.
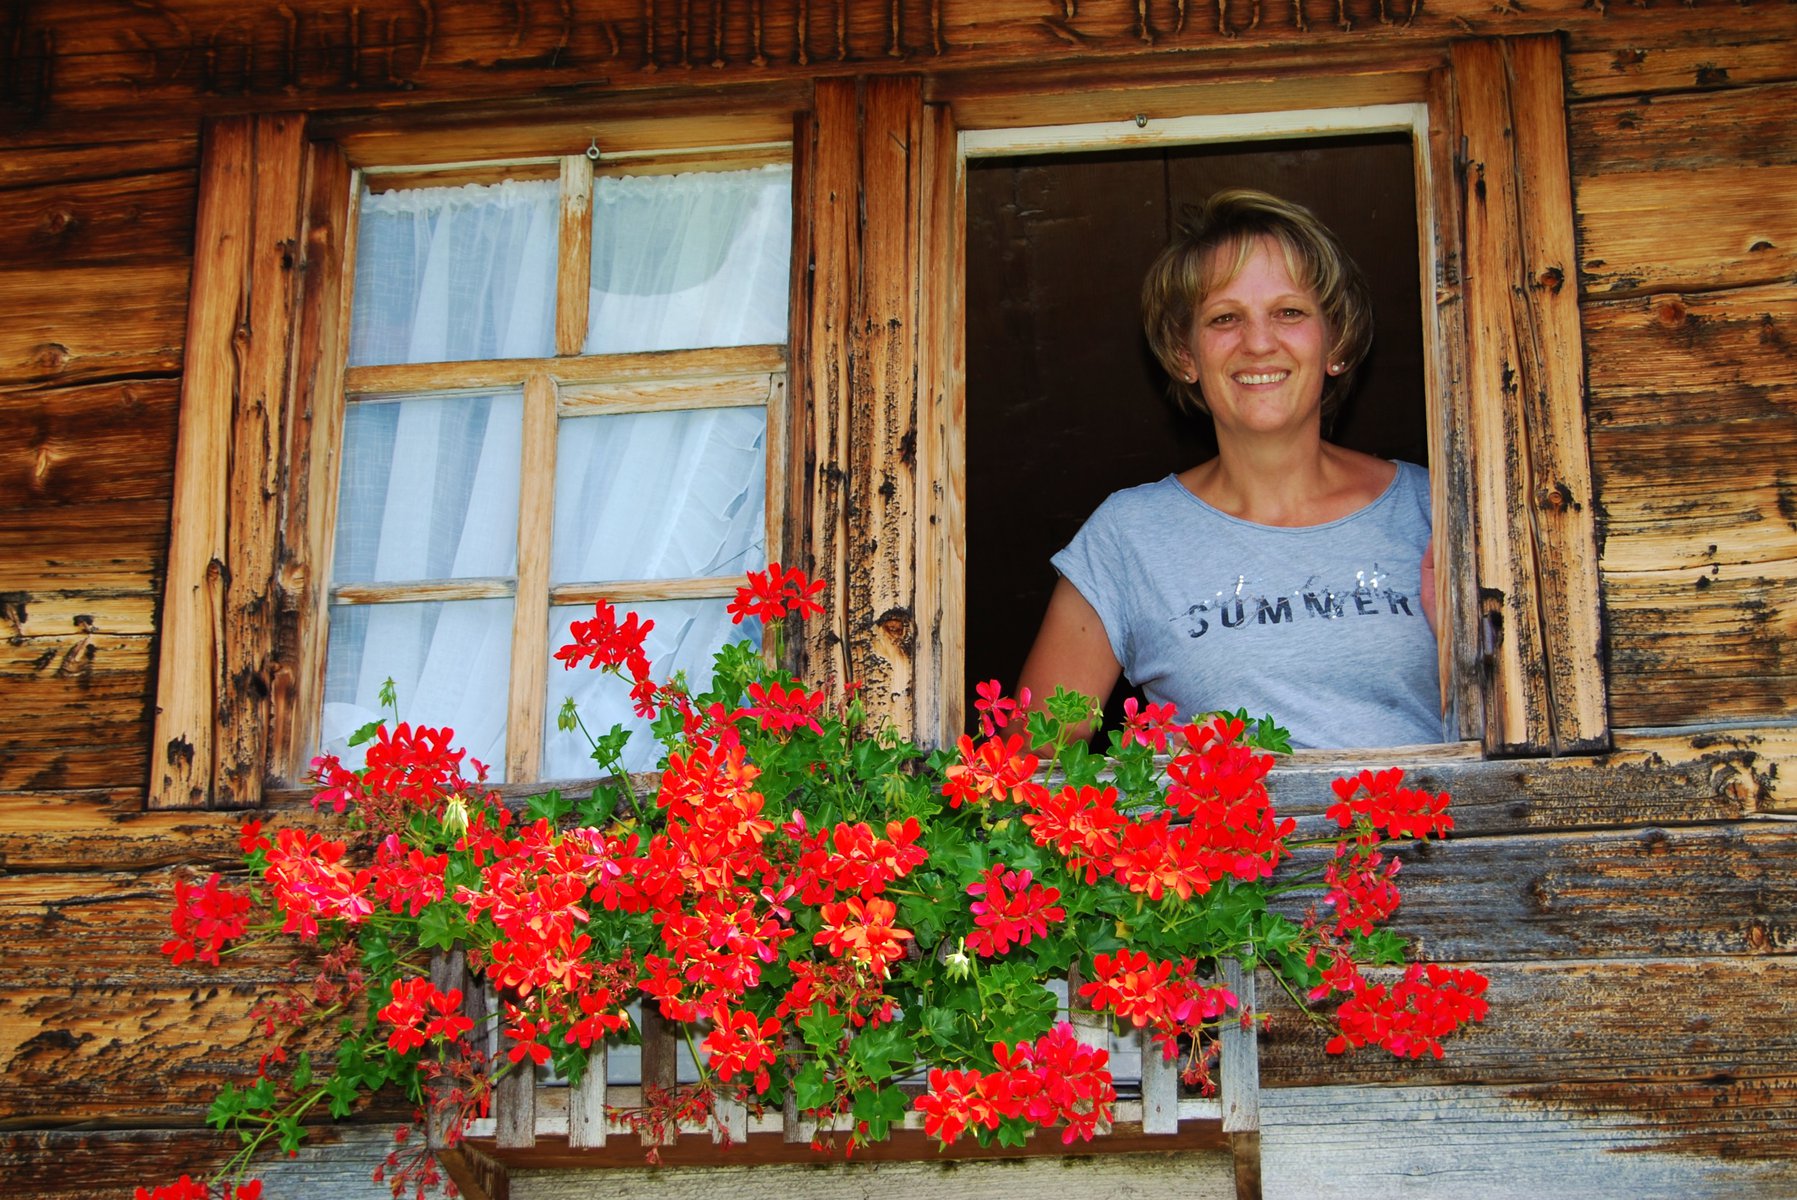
(1257, 347)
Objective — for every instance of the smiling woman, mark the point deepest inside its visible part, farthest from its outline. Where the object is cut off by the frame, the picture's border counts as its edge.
(1285, 573)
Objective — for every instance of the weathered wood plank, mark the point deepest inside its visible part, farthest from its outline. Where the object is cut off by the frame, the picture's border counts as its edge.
(58, 614)
(1702, 645)
(78, 324)
(87, 55)
(1687, 1020)
(1637, 232)
(58, 828)
(88, 156)
(309, 506)
(1713, 51)
(827, 166)
(883, 343)
(649, 368)
(335, 1161)
(1699, 357)
(1605, 895)
(213, 680)
(81, 652)
(106, 548)
(1722, 495)
(129, 218)
(1691, 131)
(574, 262)
(941, 506)
(76, 710)
(85, 445)
(1534, 514)
(1720, 1140)
(1648, 779)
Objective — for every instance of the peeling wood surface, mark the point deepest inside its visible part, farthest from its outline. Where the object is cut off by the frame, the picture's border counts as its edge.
(86, 55)
(1717, 1019)
(1707, 51)
(1702, 360)
(1717, 641)
(1725, 1139)
(1535, 513)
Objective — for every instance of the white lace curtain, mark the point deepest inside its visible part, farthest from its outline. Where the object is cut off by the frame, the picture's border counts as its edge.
(430, 483)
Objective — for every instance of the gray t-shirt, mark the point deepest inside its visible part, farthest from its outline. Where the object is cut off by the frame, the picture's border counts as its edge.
(1320, 626)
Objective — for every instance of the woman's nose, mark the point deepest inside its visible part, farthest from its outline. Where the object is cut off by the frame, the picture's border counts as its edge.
(1257, 334)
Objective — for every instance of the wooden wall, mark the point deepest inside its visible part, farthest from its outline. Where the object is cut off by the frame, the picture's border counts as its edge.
(1637, 913)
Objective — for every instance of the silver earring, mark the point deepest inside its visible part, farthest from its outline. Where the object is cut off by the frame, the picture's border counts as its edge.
(1337, 368)
(1191, 379)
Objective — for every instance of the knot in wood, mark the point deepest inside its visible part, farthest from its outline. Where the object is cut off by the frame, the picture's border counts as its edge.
(1555, 497)
(896, 624)
(1670, 312)
(50, 356)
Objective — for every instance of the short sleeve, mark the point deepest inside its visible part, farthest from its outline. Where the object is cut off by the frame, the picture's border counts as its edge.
(1094, 562)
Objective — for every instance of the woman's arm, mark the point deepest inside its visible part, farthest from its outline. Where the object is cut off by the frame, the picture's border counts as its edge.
(1070, 651)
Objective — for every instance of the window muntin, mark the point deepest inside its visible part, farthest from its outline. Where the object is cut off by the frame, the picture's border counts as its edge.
(484, 506)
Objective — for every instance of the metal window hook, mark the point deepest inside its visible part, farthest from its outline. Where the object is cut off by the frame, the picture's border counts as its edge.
(593, 149)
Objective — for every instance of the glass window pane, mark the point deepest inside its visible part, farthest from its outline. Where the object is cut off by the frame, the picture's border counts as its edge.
(429, 489)
(686, 635)
(660, 495)
(687, 261)
(449, 662)
(448, 274)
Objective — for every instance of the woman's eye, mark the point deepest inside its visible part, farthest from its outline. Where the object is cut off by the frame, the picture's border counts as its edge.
(1222, 319)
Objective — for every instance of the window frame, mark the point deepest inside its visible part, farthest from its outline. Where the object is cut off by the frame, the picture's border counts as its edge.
(240, 678)
(1522, 651)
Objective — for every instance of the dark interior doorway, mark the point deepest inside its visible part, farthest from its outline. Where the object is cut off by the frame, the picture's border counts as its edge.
(1065, 404)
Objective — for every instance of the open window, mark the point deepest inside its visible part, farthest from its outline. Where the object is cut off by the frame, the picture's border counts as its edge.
(1066, 405)
(1480, 140)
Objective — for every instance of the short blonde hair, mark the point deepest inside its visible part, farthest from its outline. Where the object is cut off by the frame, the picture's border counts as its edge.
(1213, 241)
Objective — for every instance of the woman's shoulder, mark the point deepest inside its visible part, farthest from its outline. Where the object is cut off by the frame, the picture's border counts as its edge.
(1143, 500)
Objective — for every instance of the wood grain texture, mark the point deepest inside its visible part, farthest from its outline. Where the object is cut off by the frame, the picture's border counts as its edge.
(87, 445)
(82, 324)
(132, 218)
(882, 488)
(1638, 233)
(1704, 358)
(219, 607)
(827, 166)
(309, 499)
(1534, 510)
(1676, 633)
(179, 55)
(941, 452)
(1704, 1019)
(1715, 51)
(1716, 1140)
(105, 554)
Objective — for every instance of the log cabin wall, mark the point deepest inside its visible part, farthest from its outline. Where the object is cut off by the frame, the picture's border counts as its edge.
(1635, 909)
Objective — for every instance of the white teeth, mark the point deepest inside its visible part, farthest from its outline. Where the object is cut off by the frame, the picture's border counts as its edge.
(1272, 377)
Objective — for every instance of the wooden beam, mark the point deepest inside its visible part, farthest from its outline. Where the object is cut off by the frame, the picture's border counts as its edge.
(574, 255)
(218, 608)
(1536, 519)
(941, 504)
(530, 606)
(882, 485)
(827, 166)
